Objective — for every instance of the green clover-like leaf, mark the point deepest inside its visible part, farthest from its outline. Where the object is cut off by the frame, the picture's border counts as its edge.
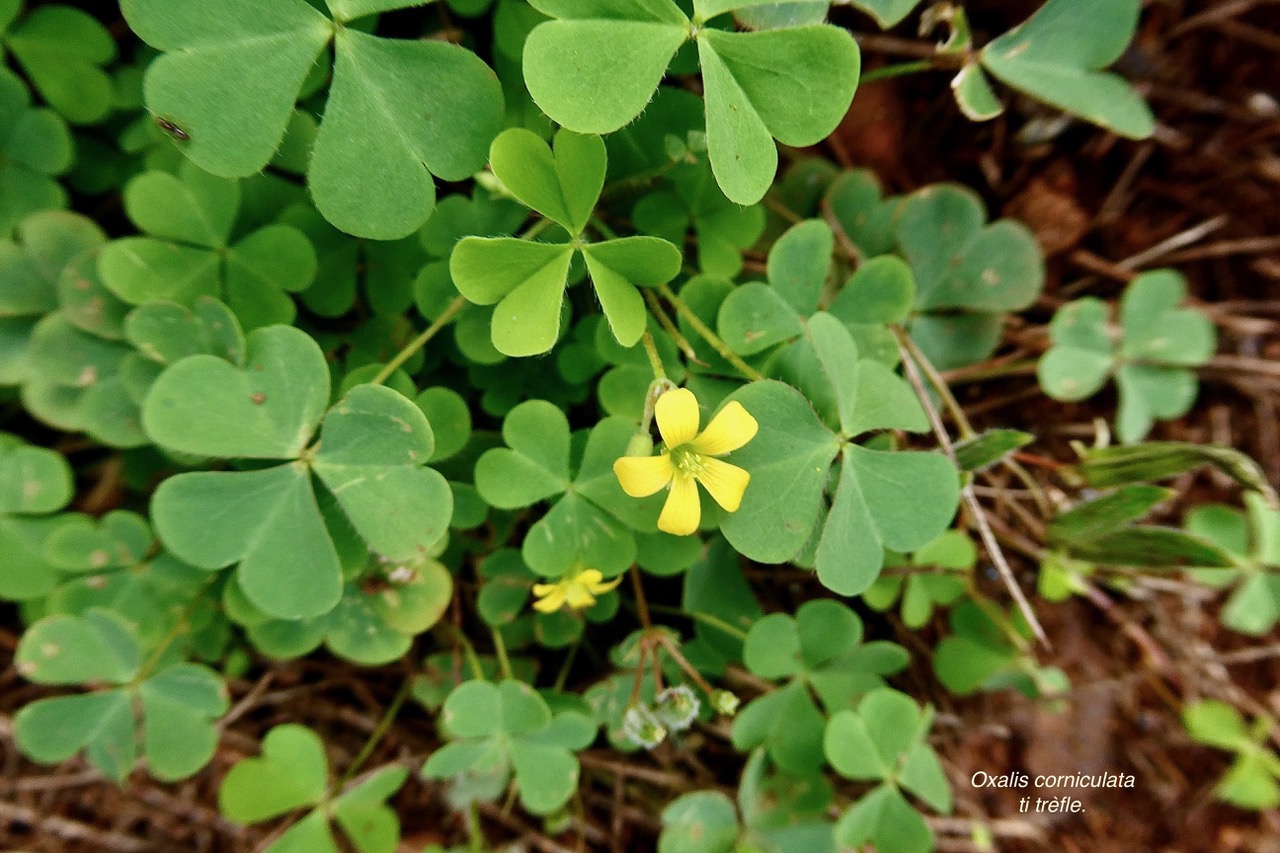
(177, 704)
(885, 819)
(1252, 540)
(62, 50)
(191, 250)
(293, 773)
(31, 270)
(936, 581)
(822, 643)
(80, 543)
(592, 523)
(1253, 780)
(880, 499)
(793, 85)
(1058, 55)
(372, 446)
(167, 332)
(35, 147)
(562, 184)
(526, 280)
(1158, 344)
(701, 822)
(33, 483)
(398, 112)
(509, 729)
(967, 273)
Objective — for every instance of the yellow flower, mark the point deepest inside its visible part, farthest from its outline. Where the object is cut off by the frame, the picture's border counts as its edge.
(578, 589)
(689, 456)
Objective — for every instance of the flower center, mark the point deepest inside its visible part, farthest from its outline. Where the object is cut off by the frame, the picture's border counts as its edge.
(687, 460)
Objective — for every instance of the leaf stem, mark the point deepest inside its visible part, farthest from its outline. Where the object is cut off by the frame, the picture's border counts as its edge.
(535, 229)
(939, 382)
(668, 326)
(468, 651)
(782, 210)
(898, 70)
(500, 648)
(378, 734)
(907, 348)
(716, 342)
(642, 604)
(474, 830)
(705, 618)
(563, 676)
(655, 360)
(678, 656)
(605, 231)
(148, 667)
(420, 341)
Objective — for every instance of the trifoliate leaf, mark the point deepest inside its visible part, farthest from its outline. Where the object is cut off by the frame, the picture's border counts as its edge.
(1058, 55)
(230, 81)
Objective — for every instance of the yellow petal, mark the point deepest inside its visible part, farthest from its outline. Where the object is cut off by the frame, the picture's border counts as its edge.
(678, 416)
(588, 578)
(641, 476)
(550, 598)
(600, 587)
(580, 597)
(728, 430)
(724, 482)
(683, 510)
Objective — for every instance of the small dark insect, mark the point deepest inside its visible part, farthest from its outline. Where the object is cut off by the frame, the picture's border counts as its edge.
(172, 129)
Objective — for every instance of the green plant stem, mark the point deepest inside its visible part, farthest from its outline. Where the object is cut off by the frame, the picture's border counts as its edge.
(906, 347)
(500, 648)
(563, 675)
(898, 70)
(420, 341)
(605, 231)
(148, 667)
(782, 210)
(468, 651)
(683, 662)
(639, 179)
(705, 618)
(655, 360)
(535, 229)
(716, 342)
(642, 604)
(378, 734)
(668, 326)
(473, 828)
(967, 431)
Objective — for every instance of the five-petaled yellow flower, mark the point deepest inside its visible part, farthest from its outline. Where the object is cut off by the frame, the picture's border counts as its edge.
(578, 589)
(689, 456)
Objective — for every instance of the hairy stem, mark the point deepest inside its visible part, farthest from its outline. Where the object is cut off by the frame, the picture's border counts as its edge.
(716, 342)
(420, 341)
